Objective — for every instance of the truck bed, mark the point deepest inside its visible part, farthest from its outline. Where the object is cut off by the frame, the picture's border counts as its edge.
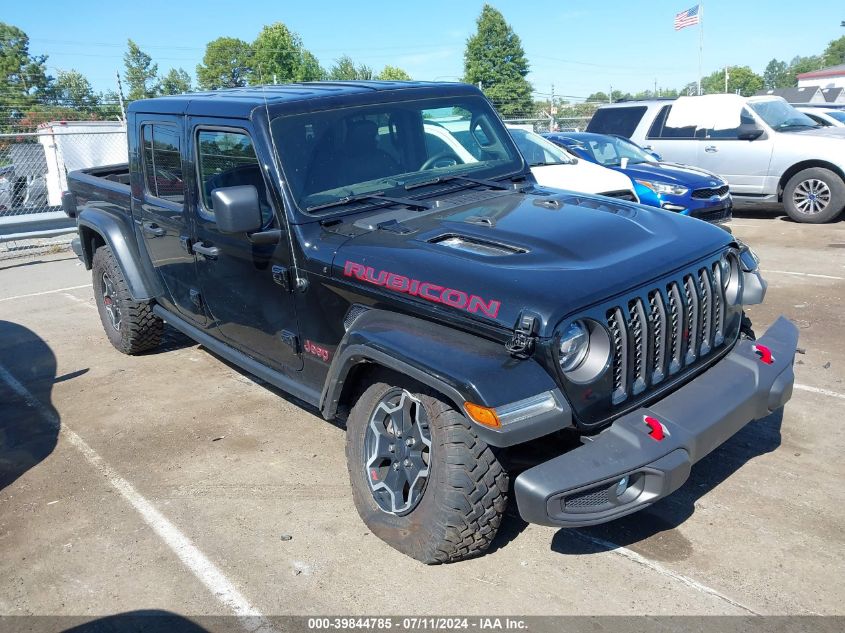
(109, 184)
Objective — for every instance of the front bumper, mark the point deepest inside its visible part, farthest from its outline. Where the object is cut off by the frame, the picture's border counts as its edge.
(582, 487)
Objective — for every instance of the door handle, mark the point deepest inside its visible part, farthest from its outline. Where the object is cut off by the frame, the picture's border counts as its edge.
(711, 148)
(153, 229)
(211, 252)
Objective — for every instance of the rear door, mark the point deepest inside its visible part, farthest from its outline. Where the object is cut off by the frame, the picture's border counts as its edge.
(242, 284)
(744, 164)
(160, 217)
(676, 142)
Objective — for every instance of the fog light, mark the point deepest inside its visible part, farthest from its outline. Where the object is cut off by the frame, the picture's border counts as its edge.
(621, 486)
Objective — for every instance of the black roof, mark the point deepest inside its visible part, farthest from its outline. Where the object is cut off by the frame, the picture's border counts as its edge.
(832, 94)
(792, 95)
(240, 102)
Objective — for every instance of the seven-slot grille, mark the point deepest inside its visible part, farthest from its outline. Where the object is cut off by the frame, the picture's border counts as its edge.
(657, 334)
(709, 192)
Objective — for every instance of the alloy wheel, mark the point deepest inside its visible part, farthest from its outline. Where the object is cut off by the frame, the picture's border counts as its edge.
(111, 305)
(397, 446)
(811, 196)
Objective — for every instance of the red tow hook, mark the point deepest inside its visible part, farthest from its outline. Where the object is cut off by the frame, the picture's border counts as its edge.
(657, 431)
(764, 353)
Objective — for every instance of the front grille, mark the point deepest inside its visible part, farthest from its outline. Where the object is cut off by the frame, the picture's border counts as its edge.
(709, 192)
(664, 330)
(722, 214)
(623, 194)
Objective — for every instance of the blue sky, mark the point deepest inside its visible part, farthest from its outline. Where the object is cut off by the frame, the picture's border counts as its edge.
(581, 47)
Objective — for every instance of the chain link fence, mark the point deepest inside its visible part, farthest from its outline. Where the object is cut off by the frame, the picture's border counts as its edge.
(33, 175)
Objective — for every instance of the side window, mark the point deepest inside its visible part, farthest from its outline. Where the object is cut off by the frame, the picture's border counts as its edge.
(719, 132)
(663, 128)
(162, 162)
(619, 120)
(227, 159)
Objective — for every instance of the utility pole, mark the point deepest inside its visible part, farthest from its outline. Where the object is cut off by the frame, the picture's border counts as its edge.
(610, 94)
(726, 78)
(120, 95)
(552, 111)
(655, 86)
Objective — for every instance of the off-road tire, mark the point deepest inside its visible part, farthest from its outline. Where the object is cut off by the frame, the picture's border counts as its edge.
(139, 329)
(461, 507)
(830, 180)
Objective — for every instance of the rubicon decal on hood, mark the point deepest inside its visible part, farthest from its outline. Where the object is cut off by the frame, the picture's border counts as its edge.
(424, 289)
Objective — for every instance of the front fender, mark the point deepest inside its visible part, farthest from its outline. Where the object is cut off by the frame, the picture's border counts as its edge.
(118, 234)
(461, 366)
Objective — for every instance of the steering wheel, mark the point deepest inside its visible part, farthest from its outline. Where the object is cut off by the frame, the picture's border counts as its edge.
(443, 159)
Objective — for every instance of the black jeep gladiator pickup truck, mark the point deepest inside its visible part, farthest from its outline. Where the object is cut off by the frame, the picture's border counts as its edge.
(316, 236)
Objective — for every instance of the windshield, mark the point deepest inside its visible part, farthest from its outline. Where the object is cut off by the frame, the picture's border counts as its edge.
(538, 151)
(333, 155)
(610, 150)
(780, 115)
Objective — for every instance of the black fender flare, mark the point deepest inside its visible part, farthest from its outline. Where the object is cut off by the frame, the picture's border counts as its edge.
(462, 366)
(118, 234)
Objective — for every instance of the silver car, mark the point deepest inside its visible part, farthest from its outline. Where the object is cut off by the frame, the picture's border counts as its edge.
(765, 149)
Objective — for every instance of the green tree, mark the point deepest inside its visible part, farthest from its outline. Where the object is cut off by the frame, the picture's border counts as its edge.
(494, 57)
(777, 75)
(800, 65)
(23, 77)
(344, 69)
(740, 78)
(311, 68)
(141, 73)
(73, 89)
(392, 73)
(227, 63)
(834, 54)
(279, 56)
(177, 81)
(599, 97)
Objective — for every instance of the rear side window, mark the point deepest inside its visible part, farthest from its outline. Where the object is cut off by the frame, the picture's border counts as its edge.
(622, 121)
(227, 159)
(162, 162)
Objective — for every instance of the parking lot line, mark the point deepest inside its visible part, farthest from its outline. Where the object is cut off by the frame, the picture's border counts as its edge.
(818, 390)
(660, 569)
(198, 563)
(46, 292)
(790, 272)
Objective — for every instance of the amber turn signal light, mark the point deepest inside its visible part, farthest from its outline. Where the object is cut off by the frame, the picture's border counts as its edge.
(483, 415)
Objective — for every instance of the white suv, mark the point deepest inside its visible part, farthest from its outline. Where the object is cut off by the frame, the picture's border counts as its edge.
(763, 147)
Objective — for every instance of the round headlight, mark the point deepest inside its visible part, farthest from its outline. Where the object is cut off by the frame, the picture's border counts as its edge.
(731, 279)
(574, 345)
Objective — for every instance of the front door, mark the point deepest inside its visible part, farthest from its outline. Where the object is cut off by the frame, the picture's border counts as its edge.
(242, 283)
(744, 164)
(160, 218)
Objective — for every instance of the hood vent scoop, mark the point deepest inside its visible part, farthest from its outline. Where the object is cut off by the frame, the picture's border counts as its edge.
(475, 246)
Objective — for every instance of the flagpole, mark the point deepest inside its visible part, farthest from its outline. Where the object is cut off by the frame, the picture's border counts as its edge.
(700, 42)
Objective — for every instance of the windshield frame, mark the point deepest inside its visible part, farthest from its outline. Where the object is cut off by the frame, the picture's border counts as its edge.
(513, 167)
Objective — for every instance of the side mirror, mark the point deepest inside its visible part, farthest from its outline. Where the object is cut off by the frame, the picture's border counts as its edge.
(749, 132)
(236, 209)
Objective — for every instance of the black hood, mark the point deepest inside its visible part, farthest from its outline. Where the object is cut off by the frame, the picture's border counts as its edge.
(553, 254)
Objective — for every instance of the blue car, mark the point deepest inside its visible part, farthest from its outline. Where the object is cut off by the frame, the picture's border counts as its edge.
(681, 188)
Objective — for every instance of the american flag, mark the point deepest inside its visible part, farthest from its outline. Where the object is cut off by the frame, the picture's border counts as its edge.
(686, 18)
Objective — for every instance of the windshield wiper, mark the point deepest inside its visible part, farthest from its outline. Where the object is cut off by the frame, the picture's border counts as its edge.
(377, 196)
(440, 179)
(788, 126)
